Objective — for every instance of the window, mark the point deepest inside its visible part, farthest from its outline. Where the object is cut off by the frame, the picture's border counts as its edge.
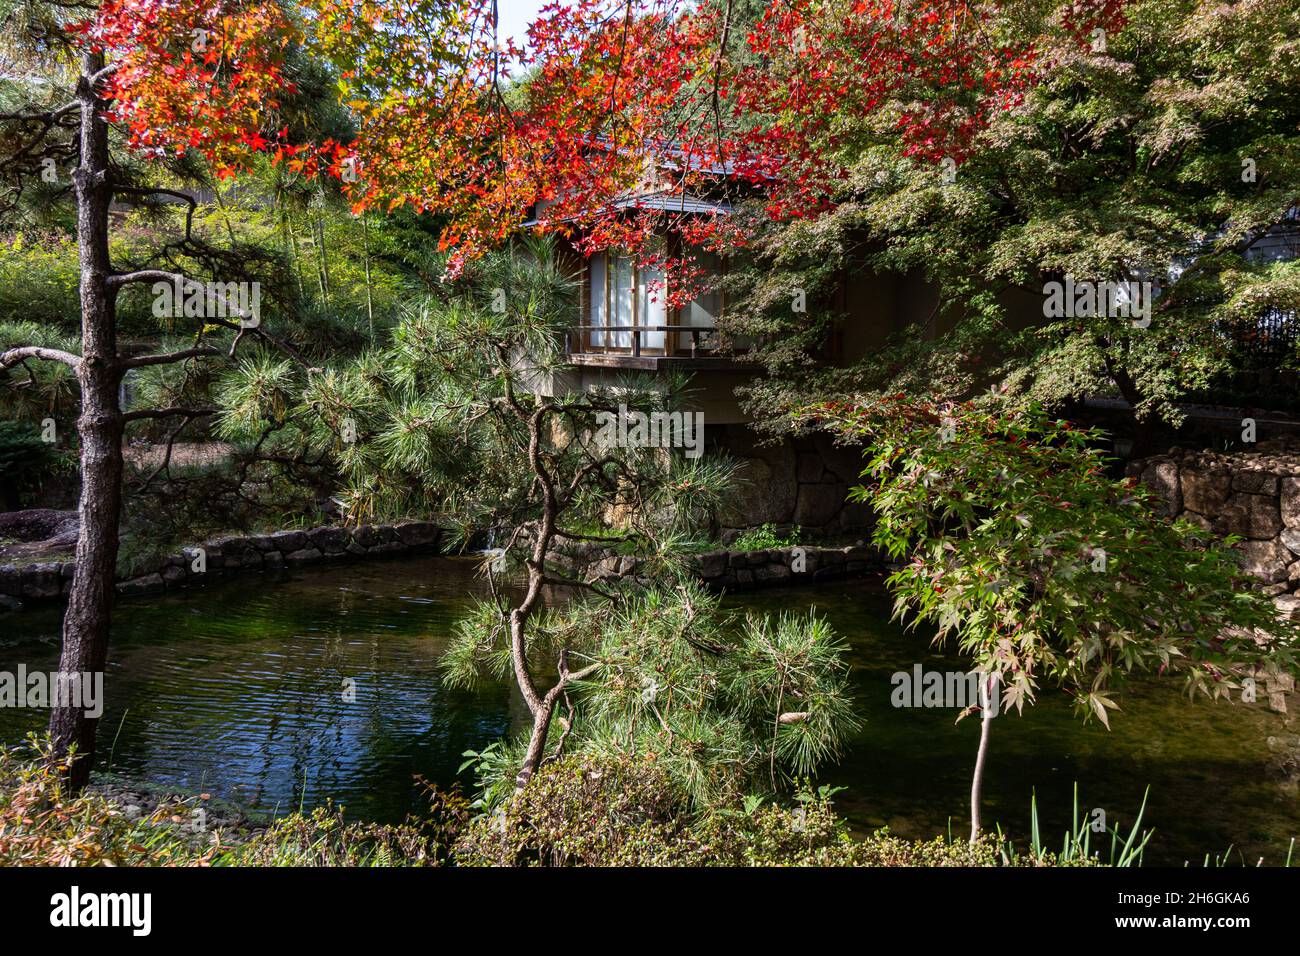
(702, 311)
(626, 296)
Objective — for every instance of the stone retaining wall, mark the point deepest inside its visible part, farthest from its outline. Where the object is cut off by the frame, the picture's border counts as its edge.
(1254, 495)
(802, 564)
(734, 570)
(804, 481)
(20, 584)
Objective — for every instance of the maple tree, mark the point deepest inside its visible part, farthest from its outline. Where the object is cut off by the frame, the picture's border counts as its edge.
(1019, 549)
(1123, 158)
(602, 101)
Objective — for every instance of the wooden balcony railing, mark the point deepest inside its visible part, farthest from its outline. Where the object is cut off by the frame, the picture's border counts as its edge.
(702, 340)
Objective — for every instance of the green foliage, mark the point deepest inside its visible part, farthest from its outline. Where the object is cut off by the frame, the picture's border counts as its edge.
(38, 283)
(26, 462)
(37, 390)
(1043, 569)
(41, 824)
(1076, 845)
(324, 838)
(492, 766)
(766, 537)
(678, 678)
(582, 811)
(426, 422)
(1120, 165)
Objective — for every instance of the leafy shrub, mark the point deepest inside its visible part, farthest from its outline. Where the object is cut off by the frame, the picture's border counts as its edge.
(584, 811)
(38, 282)
(325, 838)
(43, 825)
(39, 279)
(766, 537)
(578, 811)
(26, 462)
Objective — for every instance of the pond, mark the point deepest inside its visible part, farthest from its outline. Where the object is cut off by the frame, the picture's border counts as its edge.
(236, 689)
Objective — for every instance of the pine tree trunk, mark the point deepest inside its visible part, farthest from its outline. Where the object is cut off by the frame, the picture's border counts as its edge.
(86, 621)
(536, 743)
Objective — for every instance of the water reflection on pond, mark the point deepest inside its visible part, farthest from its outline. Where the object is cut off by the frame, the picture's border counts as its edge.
(239, 688)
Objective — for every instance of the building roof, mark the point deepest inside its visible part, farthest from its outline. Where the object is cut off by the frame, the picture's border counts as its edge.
(666, 202)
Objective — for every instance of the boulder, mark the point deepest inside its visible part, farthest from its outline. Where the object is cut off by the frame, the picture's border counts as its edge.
(141, 585)
(713, 564)
(41, 582)
(810, 467)
(1265, 560)
(1291, 502)
(287, 542)
(11, 580)
(832, 557)
(1162, 478)
(773, 572)
(330, 540)
(768, 489)
(39, 524)
(1288, 607)
(818, 504)
(251, 558)
(417, 533)
(1206, 489)
(1254, 481)
(1250, 516)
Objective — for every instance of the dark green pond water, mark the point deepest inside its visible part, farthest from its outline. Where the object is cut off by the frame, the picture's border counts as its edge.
(236, 689)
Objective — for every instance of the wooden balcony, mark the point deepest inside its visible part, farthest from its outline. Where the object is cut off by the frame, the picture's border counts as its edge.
(681, 346)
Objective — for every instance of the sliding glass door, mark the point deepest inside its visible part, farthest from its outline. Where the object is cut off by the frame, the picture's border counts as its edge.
(625, 297)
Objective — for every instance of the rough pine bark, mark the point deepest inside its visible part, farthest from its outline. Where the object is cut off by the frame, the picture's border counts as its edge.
(100, 426)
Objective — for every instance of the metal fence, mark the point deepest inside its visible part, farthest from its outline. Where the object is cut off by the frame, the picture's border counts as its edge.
(1268, 342)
